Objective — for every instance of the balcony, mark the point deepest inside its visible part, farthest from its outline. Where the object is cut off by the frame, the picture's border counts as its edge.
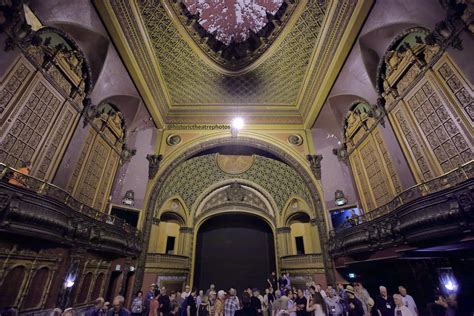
(159, 262)
(42, 210)
(438, 211)
(306, 262)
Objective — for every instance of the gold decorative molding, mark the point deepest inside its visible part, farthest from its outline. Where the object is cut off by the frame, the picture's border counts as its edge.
(179, 87)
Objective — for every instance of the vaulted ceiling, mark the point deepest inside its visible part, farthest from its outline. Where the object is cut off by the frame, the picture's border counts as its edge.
(272, 62)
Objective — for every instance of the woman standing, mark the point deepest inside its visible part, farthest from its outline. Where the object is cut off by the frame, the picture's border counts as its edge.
(204, 308)
(137, 304)
(316, 306)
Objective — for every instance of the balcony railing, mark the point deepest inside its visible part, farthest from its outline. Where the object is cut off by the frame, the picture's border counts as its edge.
(166, 261)
(443, 182)
(307, 261)
(434, 212)
(44, 188)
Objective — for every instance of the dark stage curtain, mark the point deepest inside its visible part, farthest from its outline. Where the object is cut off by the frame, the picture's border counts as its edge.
(234, 250)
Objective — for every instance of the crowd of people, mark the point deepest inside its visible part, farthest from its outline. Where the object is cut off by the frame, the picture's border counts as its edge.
(312, 300)
(285, 300)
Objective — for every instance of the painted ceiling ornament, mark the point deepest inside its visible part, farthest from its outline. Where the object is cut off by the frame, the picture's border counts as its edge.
(153, 165)
(315, 165)
(234, 164)
(234, 33)
(295, 139)
(173, 140)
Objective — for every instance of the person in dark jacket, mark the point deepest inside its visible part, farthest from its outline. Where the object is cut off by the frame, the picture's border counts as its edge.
(247, 309)
(354, 304)
(118, 309)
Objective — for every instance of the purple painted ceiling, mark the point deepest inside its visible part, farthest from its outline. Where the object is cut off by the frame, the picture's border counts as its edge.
(232, 19)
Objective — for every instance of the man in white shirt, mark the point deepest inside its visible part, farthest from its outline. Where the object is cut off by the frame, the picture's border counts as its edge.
(408, 300)
(400, 308)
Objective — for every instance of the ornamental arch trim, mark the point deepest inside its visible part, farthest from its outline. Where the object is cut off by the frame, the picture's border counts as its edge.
(202, 206)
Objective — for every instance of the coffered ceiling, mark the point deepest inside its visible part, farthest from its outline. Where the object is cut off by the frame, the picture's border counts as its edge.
(283, 82)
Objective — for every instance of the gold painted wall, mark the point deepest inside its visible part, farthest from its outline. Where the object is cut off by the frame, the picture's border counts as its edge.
(37, 117)
(165, 230)
(433, 124)
(372, 167)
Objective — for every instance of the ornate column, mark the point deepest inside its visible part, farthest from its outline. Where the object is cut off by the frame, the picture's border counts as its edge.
(283, 239)
(153, 167)
(315, 236)
(185, 241)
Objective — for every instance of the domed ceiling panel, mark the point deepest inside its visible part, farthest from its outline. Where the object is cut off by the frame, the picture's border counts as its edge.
(182, 85)
(232, 20)
(234, 33)
(192, 81)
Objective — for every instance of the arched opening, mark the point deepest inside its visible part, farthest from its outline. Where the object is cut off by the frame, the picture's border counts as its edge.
(37, 288)
(234, 250)
(86, 284)
(97, 292)
(9, 293)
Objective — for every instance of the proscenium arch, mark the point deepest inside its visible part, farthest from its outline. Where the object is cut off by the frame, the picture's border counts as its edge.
(207, 216)
(236, 141)
(198, 208)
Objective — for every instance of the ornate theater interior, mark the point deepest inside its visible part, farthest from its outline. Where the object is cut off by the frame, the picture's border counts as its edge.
(180, 142)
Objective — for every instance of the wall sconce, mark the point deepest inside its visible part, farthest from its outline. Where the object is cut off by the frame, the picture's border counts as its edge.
(339, 198)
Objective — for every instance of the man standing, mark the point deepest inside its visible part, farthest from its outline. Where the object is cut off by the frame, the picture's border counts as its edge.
(149, 296)
(282, 282)
(384, 303)
(256, 303)
(165, 302)
(190, 303)
(272, 281)
(231, 303)
(408, 300)
(354, 304)
(333, 303)
(400, 308)
(118, 309)
(363, 295)
(300, 302)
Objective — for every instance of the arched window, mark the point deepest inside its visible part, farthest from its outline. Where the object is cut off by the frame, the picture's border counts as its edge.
(38, 287)
(9, 293)
(97, 292)
(92, 178)
(86, 285)
(44, 95)
(371, 164)
(429, 103)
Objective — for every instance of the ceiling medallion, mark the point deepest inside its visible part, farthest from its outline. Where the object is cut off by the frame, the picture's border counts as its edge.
(295, 139)
(173, 140)
(234, 33)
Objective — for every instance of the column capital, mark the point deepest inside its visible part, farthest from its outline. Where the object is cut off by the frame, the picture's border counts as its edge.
(283, 230)
(186, 230)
